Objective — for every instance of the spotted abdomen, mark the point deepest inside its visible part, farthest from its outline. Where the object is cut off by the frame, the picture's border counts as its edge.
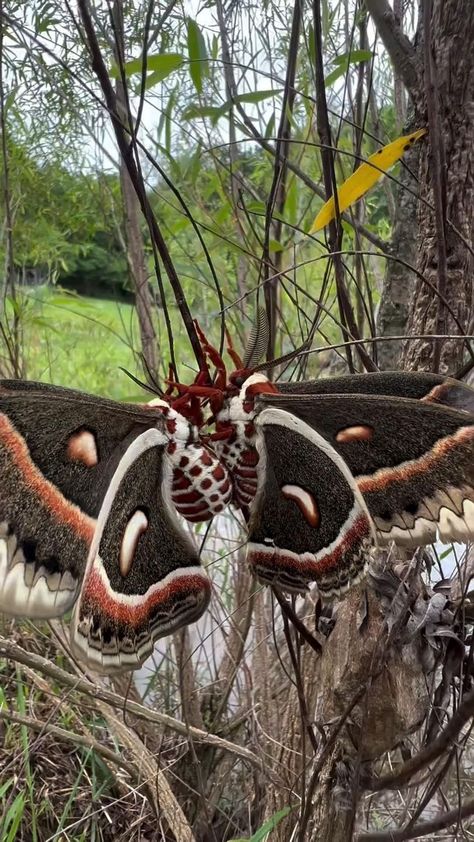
(201, 483)
(241, 459)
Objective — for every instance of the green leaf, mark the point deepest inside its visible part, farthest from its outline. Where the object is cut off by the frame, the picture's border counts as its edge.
(266, 828)
(274, 245)
(13, 817)
(159, 66)
(256, 96)
(353, 57)
(334, 76)
(198, 59)
(257, 207)
(168, 120)
(215, 47)
(342, 63)
(213, 111)
(291, 203)
(270, 129)
(5, 787)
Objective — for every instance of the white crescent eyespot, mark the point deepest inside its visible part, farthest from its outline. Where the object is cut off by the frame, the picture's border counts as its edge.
(304, 500)
(82, 448)
(137, 524)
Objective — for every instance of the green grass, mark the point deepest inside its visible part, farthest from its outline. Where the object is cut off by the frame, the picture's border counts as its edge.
(81, 343)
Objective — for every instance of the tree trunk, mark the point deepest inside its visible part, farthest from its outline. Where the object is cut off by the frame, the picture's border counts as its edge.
(452, 34)
(136, 258)
(399, 279)
(376, 690)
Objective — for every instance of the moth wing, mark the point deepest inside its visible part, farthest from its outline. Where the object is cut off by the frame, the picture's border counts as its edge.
(413, 460)
(417, 385)
(143, 578)
(308, 521)
(58, 451)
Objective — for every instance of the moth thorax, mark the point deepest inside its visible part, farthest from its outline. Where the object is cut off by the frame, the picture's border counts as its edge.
(201, 483)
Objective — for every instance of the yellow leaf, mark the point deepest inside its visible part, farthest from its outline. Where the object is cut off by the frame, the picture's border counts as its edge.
(365, 177)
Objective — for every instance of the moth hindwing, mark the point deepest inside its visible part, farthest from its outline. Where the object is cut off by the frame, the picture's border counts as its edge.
(406, 439)
(143, 578)
(413, 460)
(308, 521)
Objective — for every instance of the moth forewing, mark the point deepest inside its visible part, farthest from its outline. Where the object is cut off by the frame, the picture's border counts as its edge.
(412, 459)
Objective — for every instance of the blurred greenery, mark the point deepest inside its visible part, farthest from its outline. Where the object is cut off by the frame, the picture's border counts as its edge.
(81, 342)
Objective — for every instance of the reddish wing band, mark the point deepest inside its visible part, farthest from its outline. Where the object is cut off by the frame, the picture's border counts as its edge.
(44, 539)
(60, 451)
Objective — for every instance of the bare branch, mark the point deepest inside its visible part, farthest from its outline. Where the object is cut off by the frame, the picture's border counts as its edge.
(431, 752)
(82, 740)
(8, 649)
(398, 46)
(423, 829)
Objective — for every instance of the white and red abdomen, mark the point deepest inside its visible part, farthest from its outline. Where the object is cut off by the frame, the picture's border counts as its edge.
(237, 450)
(201, 484)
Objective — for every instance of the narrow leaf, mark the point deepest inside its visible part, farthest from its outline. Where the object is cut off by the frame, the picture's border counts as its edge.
(198, 60)
(266, 828)
(365, 177)
(271, 824)
(342, 64)
(354, 57)
(256, 96)
(160, 66)
(212, 111)
(6, 786)
(270, 130)
(334, 76)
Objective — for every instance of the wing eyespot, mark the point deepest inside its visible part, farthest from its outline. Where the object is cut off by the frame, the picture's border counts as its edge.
(305, 502)
(357, 432)
(136, 526)
(82, 447)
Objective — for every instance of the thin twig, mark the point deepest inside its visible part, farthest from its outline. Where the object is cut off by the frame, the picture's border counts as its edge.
(423, 829)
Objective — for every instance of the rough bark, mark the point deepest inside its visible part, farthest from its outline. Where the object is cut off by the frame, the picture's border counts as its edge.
(452, 29)
(399, 280)
(392, 700)
(379, 694)
(136, 257)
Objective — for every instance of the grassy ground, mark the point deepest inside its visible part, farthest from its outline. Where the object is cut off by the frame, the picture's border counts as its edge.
(81, 343)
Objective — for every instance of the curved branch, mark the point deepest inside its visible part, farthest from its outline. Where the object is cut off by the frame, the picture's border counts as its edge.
(446, 738)
(400, 49)
(422, 829)
(8, 649)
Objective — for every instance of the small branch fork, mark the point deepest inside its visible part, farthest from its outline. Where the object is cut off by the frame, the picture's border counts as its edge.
(398, 46)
